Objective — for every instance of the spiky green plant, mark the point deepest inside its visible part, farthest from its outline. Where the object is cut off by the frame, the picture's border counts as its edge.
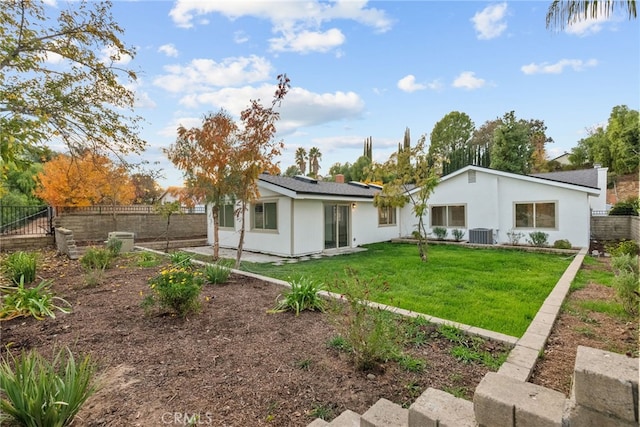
(38, 302)
(37, 393)
(303, 295)
(20, 264)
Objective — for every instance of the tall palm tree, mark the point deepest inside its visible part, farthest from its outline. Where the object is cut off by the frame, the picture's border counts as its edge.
(301, 160)
(567, 12)
(314, 161)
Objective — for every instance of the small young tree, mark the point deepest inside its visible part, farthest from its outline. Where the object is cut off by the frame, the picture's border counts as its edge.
(413, 180)
(205, 156)
(166, 210)
(256, 152)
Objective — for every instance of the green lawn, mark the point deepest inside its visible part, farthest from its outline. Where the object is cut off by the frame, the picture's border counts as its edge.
(496, 289)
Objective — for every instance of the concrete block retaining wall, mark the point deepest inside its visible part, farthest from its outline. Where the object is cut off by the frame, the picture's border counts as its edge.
(615, 227)
(95, 227)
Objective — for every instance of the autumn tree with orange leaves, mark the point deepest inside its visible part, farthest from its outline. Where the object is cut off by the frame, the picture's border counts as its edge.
(221, 161)
(84, 180)
(204, 155)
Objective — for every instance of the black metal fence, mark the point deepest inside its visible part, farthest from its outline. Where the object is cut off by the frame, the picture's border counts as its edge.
(118, 209)
(24, 220)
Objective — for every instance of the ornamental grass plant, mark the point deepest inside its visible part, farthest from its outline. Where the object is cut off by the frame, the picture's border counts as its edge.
(39, 393)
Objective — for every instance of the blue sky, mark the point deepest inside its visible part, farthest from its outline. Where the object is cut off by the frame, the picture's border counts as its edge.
(363, 69)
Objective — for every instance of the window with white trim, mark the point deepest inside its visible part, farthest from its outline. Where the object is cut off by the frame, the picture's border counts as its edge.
(386, 215)
(535, 215)
(449, 216)
(226, 216)
(264, 216)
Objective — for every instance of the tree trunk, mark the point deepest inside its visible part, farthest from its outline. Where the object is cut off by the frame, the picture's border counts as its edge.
(423, 248)
(166, 248)
(216, 236)
(241, 242)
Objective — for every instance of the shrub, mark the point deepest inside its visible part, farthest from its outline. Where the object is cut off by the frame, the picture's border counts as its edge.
(42, 394)
(440, 232)
(626, 284)
(181, 259)
(303, 295)
(538, 238)
(457, 234)
(628, 247)
(514, 237)
(96, 259)
(562, 244)
(36, 302)
(114, 245)
(216, 273)
(627, 207)
(176, 289)
(370, 333)
(19, 265)
(627, 281)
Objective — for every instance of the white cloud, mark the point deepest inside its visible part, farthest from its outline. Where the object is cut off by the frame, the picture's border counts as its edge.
(293, 12)
(169, 50)
(110, 55)
(203, 74)
(300, 107)
(585, 27)
(468, 80)
(240, 37)
(489, 23)
(308, 41)
(297, 24)
(408, 84)
(558, 67)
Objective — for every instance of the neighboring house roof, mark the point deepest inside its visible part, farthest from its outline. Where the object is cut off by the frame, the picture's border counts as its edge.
(593, 190)
(308, 186)
(583, 177)
(563, 159)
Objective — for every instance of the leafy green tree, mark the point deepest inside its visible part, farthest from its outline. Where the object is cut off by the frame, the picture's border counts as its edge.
(411, 182)
(360, 170)
(292, 170)
(87, 103)
(512, 149)
(567, 12)
(453, 132)
(340, 169)
(368, 148)
(623, 136)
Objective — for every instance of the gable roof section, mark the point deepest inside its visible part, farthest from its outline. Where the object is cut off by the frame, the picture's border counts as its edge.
(583, 177)
(595, 191)
(295, 188)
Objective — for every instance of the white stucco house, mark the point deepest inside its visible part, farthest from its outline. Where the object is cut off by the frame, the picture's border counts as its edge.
(301, 216)
(487, 204)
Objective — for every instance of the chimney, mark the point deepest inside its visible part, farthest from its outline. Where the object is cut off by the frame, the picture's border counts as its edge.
(340, 178)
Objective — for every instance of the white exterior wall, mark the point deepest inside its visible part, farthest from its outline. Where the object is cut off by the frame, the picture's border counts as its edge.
(365, 228)
(490, 203)
(308, 223)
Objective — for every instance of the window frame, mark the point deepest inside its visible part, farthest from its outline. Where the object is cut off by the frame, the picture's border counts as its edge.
(222, 216)
(391, 216)
(446, 215)
(534, 214)
(263, 203)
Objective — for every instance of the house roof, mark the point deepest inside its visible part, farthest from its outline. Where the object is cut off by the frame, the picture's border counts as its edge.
(591, 189)
(583, 177)
(308, 186)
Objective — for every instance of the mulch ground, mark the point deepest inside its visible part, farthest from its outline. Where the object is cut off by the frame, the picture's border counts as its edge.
(233, 363)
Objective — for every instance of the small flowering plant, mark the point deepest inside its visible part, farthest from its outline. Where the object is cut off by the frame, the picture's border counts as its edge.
(176, 289)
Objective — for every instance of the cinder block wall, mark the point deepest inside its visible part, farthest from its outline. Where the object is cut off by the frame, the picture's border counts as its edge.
(145, 226)
(615, 227)
(26, 243)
